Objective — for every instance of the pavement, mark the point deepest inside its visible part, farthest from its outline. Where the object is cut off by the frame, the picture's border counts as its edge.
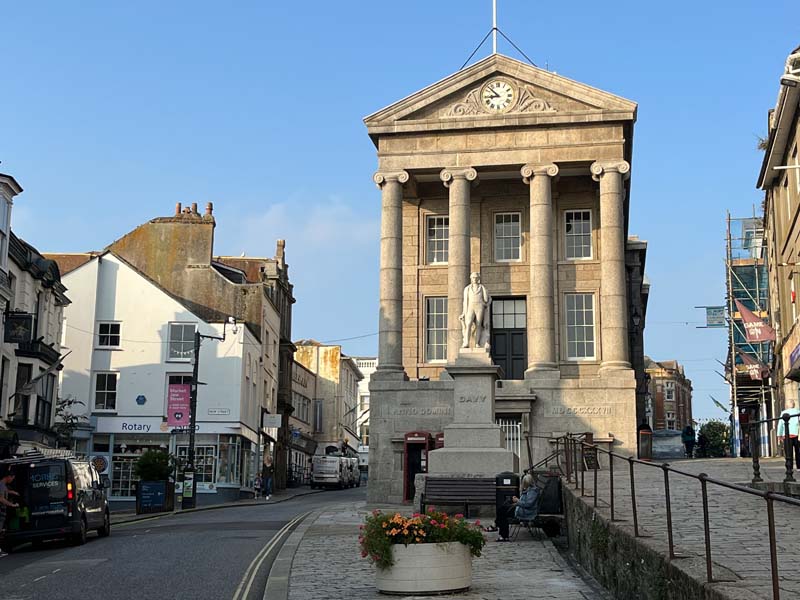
(321, 561)
(128, 516)
(738, 522)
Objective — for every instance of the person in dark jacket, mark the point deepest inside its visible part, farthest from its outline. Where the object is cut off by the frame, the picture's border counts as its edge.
(687, 437)
(524, 508)
(266, 477)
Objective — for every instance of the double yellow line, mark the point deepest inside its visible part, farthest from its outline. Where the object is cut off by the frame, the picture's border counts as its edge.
(243, 589)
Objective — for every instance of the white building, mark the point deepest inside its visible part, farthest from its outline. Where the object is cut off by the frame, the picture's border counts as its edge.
(130, 340)
(367, 366)
(31, 347)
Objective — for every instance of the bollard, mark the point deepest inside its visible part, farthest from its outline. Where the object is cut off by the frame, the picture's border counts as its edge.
(787, 448)
(706, 525)
(668, 506)
(755, 444)
(633, 498)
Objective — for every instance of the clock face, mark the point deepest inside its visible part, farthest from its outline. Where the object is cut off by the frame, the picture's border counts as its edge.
(498, 95)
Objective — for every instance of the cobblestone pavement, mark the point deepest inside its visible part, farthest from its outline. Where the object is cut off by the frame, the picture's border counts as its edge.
(328, 566)
(737, 521)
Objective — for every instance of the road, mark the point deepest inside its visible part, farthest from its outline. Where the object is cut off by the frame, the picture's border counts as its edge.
(213, 555)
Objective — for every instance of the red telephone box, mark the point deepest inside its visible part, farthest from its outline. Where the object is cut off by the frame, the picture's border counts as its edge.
(439, 437)
(416, 445)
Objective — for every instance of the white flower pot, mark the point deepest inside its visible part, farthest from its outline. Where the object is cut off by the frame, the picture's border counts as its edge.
(426, 569)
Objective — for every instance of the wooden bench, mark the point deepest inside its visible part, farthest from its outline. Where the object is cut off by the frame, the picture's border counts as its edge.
(452, 491)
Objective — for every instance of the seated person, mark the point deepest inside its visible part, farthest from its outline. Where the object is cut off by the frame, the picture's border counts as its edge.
(524, 508)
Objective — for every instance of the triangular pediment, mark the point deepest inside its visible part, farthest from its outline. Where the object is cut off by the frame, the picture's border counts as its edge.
(534, 96)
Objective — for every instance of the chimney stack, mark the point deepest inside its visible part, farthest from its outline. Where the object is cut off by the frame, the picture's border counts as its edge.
(177, 209)
(210, 209)
(194, 208)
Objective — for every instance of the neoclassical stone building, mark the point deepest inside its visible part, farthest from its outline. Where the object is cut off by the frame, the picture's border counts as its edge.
(522, 175)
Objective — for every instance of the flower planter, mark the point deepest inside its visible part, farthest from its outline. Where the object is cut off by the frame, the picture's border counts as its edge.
(427, 569)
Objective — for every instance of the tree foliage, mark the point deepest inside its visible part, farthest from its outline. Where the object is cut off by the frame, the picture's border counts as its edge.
(66, 421)
(713, 439)
(153, 465)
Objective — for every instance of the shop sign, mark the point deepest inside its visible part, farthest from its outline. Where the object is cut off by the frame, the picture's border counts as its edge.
(178, 404)
(271, 421)
(794, 356)
(19, 328)
(100, 463)
(129, 424)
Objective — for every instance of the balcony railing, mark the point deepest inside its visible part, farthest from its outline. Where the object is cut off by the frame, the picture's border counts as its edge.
(38, 350)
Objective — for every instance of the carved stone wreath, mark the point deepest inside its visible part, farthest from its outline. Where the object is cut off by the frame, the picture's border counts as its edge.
(528, 102)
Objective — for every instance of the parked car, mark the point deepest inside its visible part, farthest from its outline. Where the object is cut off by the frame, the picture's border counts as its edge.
(59, 498)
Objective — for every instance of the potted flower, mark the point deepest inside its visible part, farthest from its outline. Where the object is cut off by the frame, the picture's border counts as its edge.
(423, 553)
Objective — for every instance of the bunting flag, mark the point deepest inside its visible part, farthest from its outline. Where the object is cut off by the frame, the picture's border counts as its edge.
(755, 329)
(719, 404)
(756, 369)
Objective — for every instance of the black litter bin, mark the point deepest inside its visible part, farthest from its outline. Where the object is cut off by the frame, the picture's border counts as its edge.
(506, 486)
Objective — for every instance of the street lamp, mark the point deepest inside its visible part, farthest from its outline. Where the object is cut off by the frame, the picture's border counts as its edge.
(189, 481)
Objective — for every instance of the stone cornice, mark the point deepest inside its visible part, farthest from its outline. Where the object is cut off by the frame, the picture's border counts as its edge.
(450, 174)
(530, 171)
(600, 168)
(382, 177)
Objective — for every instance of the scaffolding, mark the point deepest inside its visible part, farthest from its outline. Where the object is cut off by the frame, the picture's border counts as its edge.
(746, 279)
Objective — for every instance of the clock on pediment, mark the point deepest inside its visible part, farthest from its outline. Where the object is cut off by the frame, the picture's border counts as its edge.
(498, 95)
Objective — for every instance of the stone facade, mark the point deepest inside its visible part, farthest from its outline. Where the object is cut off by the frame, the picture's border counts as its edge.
(532, 192)
(780, 180)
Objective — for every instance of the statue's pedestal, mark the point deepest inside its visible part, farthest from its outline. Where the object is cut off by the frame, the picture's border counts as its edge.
(473, 443)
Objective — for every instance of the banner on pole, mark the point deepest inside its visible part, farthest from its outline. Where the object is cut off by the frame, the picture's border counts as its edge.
(755, 329)
(756, 369)
(178, 404)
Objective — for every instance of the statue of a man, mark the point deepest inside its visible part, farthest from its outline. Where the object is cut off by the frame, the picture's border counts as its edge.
(476, 311)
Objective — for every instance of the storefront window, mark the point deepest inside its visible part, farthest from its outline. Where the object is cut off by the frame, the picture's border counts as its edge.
(229, 448)
(249, 464)
(205, 462)
(122, 477)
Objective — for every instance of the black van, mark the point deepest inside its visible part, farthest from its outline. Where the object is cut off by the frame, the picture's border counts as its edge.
(59, 498)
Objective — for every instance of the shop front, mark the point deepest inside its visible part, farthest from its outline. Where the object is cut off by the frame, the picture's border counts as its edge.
(226, 456)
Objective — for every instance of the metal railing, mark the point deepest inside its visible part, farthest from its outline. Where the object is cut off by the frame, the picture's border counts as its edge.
(575, 449)
(755, 447)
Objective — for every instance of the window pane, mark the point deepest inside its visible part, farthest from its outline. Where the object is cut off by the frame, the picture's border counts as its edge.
(438, 232)
(580, 325)
(507, 236)
(578, 233)
(436, 331)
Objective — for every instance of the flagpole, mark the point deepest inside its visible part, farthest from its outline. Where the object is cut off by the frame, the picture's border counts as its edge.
(494, 26)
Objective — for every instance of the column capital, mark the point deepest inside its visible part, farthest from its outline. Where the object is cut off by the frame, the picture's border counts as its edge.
(601, 167)
(530, 171)
(382, 177)
(449, 174)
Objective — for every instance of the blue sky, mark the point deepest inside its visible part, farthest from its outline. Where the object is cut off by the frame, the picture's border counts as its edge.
(112, 112)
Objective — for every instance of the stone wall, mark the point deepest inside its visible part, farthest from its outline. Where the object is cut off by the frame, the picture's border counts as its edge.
(626, 566)
(397, 407)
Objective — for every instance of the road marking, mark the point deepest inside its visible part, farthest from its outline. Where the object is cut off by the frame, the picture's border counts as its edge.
(56, 571)
(243, 591)
(147, 531)
(39, 578)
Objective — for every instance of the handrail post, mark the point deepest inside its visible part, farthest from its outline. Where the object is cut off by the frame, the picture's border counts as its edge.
(568, 457)
(706, 526)
(583, 470)
(611, 481)
(787, 448)
(773, 549)
(755, 447)
(633, 497)
(596, 469)
(668, 504)
(578, 466)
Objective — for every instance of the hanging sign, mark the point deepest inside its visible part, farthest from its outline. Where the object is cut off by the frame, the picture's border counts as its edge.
(18, 328)
(715, 316)
(178, 404)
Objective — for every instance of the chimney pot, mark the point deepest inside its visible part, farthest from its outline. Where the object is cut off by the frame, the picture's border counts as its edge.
(177, 209)
(194, 208)
(210, 208)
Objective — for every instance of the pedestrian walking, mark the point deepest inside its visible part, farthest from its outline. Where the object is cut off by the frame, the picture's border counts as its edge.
(794, 431)
(688, 439)
(267, 474)
(5, 503)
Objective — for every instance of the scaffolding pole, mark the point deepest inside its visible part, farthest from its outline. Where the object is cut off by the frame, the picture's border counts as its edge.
(731, 324)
